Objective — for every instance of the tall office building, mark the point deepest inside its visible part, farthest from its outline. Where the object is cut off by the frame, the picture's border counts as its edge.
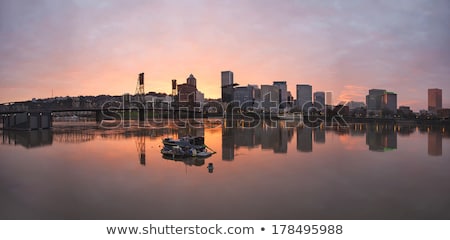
(256, 94)
(390, 102)
(304, 96)
(379, 101)
(434, 100)
(270, 97)
(283, 92)
(245, 96)
(227, 86)
(227, 78)
(319, 100)
(290, 99)
(374, 101)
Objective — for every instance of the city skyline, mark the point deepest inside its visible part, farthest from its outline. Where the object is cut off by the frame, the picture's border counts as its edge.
(90, 48)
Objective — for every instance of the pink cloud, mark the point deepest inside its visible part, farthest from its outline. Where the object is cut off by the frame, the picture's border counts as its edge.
(88, 48)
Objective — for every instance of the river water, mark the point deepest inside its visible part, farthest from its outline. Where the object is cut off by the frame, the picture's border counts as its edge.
(80, 170)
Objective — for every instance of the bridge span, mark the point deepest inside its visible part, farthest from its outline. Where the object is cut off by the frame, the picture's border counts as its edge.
(33, 119)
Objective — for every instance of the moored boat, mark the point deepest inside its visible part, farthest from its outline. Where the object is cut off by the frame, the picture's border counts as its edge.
(192, 142)
(185, 147)
(174, 151)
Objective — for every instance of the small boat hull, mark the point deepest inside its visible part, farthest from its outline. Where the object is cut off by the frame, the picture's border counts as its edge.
(185, 147)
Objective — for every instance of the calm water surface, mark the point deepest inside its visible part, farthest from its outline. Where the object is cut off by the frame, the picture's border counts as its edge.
(80, 171)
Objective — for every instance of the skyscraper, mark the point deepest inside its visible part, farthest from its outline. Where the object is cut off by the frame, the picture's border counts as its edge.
(227, 78)
(304, 96)
(374, 102)
(227, 86)
(434, 100)
(245, 96)
(283, 92)
(270, 97)
(390, 102)
(319, 100)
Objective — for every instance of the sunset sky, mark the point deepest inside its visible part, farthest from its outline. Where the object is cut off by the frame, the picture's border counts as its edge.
(87, 47)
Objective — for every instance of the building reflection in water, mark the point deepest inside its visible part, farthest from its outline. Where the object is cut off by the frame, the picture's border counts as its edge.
(39, 138)
(435, 142)
(405, 130)
(197, 131)
(28, 139)
(319, 135)
(304, 139)
(239, 134)
(227, 144)
(188, 161)
(381, 137)
(358, 130)
(273, 136)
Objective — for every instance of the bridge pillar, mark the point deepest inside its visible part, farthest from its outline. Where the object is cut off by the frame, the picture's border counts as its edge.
(27, 121)
(141, 114)
(98, 116)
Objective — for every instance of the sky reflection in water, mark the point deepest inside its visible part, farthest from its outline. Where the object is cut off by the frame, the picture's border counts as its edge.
(379, 171)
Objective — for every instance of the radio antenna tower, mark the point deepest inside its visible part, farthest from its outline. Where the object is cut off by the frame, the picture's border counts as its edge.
(174, 87)
(140, 90)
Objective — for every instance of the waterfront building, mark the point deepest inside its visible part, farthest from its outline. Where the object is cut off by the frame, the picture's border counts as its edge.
(304, 96)
(405, 111)
(191, 80)
(270, 98)
(188, 93)
(380, 102)
(319, 100)
(245, 96)
(390, 102)
(199, 97)
(283, 93)
(352, 105)
(256, 95)
(227, 80)
(290, 99)
(374, 102)
(434, 100)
